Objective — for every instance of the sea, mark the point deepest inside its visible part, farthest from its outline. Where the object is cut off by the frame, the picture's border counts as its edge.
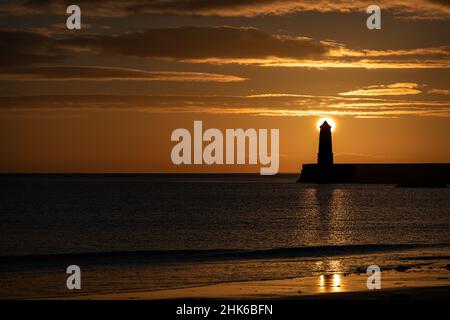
(149, 232)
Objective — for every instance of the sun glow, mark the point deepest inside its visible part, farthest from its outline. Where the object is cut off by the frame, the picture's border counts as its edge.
(329, 121)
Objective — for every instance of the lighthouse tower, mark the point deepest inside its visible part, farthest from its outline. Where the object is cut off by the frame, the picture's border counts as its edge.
(325, 156)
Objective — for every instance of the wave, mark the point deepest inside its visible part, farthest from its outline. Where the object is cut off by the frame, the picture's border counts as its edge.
(161, 256)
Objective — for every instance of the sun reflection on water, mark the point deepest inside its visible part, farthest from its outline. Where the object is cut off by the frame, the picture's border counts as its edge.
(330, 283)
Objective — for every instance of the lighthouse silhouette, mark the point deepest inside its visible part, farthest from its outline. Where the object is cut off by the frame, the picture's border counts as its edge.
(325, 155)
(426, 175)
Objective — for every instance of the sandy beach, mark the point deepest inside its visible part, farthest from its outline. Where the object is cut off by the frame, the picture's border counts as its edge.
(415, 283)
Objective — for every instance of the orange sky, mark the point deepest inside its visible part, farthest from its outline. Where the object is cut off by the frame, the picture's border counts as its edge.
(106, 98)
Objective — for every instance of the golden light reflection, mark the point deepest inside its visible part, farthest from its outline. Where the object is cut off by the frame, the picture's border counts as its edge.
(330, 283)
(329, 121)
(337, 282)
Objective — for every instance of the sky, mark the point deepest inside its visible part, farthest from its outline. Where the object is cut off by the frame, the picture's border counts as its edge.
(107, 97)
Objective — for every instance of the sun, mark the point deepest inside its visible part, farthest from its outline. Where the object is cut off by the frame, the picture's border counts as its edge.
(329, 121)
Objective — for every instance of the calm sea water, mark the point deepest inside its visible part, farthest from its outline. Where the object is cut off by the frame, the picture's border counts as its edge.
(147, 232)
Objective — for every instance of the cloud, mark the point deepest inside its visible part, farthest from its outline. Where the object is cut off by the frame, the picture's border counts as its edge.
(26, 48)
(60, 29)
(331, 63)
(413, 9)
(395, 89)
(198, 43)
(339, 56)
(273, 105)
(212, 45)
(440, 91)
(339, 50)
(182, 44)
(27, 55)
(97, 73)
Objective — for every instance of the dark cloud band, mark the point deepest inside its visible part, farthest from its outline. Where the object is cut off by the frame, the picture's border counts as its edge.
(426, 9)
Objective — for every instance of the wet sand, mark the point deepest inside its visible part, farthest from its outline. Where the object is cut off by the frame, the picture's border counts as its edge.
(409, 284)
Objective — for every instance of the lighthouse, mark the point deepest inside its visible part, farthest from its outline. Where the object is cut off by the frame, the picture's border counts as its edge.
(325, 155)
(401, 174)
